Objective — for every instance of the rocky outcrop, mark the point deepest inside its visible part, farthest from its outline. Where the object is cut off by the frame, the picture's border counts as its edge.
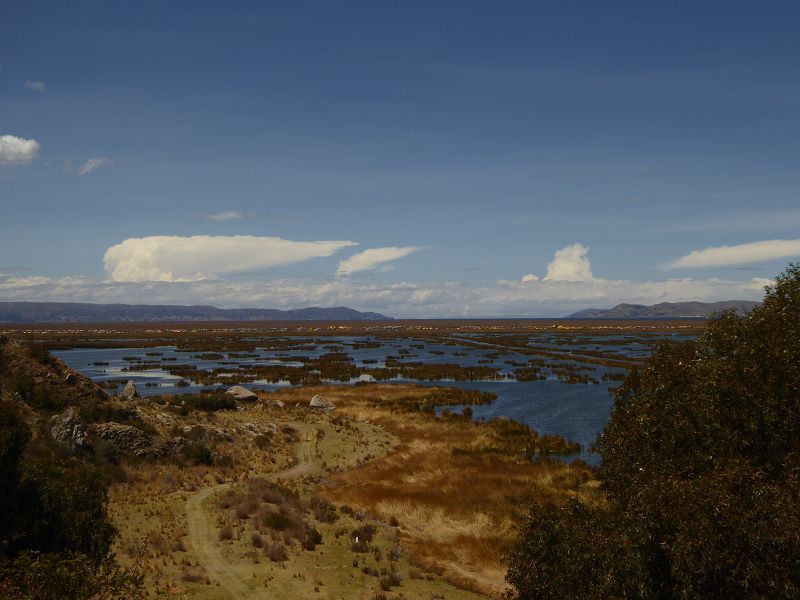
(320, 403)
(129, 391)
(242, 393)
(130, 440)
(69, 429)
(206, 434)
(171, 447)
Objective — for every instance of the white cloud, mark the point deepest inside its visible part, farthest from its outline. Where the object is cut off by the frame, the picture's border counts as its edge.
(570, 264)
(225, 215)
(403, 299)
(741, 254)
(176, 270)
(36, 86)
(373, 258)
(93, 164)
(17, 151)
(174, 258)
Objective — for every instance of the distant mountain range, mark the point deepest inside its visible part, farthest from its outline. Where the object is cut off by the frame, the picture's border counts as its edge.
(669, 310)
(75, 312)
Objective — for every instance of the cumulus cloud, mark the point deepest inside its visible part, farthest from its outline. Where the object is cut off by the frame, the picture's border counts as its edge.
(93, 164)
(36, 86)
(174, 258)
(741, 254)
(570, 264)
(372, 259)
(17, 151)
(178, 270)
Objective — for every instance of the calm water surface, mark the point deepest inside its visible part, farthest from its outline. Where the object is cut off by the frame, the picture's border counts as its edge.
(575, 411)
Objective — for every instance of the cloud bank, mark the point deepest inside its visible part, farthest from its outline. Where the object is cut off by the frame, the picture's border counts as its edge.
(174, 270)
(741, 254)
(17, 151)
(36, 86)
(373, 258)
(183, 259)
(400, 299)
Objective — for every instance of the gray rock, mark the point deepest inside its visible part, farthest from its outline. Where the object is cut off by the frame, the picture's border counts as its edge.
(68, 428)
(128, 439)
(275, 403)
(241, 393)
(129, 391)
(176, 445)
(321, 403)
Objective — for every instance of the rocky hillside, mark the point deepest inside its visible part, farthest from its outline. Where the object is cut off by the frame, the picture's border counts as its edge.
(67, 409)
(665, 310)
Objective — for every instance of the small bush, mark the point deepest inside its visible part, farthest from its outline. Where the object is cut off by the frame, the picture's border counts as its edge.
(277, 553)
(276, 520)
(324, 512)
(365, 532)
(262, 442)
(389, 581)
(312, 538)
(225, 533)
(257, 540)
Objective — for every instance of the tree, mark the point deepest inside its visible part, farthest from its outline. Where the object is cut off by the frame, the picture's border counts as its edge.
(700, 474)
(55, 530)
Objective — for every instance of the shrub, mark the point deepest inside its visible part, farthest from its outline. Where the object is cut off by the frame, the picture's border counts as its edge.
(390, 580)
(225, 533)
(312, 538)
(277, 553)
(324, 512)
(700, 465)
(262, 442)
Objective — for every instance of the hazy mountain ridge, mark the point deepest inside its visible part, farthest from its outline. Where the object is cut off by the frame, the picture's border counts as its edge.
(78, 312)
(665, 310)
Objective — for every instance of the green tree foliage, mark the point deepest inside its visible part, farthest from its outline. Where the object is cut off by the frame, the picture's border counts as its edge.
(55, 531)
(700, 474)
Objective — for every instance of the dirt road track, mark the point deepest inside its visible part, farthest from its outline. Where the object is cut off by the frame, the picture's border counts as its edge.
(203, 536)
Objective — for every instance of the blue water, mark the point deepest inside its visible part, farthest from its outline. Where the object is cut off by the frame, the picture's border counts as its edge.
(577, 412)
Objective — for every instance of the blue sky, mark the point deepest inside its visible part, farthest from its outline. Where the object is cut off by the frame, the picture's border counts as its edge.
(461, 146)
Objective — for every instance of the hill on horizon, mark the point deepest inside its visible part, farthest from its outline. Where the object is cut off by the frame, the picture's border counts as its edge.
(80, 312)
(670, 310)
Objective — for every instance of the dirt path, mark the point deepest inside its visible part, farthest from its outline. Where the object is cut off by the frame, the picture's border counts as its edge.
(203, 535)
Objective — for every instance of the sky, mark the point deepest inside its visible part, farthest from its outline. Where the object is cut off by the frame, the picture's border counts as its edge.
(419, 159)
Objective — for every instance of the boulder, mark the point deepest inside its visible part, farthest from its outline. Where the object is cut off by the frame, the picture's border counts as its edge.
(129, 391)
(68, 428)
(275, 403)
(241, 393)
(128, 439)
(320, 403)
(176, 445)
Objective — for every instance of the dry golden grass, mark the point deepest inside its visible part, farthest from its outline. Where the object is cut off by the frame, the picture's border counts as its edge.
(446, 490)
(453, 500)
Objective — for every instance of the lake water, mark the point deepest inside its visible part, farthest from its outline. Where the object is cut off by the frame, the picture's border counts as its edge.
(577, 412)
